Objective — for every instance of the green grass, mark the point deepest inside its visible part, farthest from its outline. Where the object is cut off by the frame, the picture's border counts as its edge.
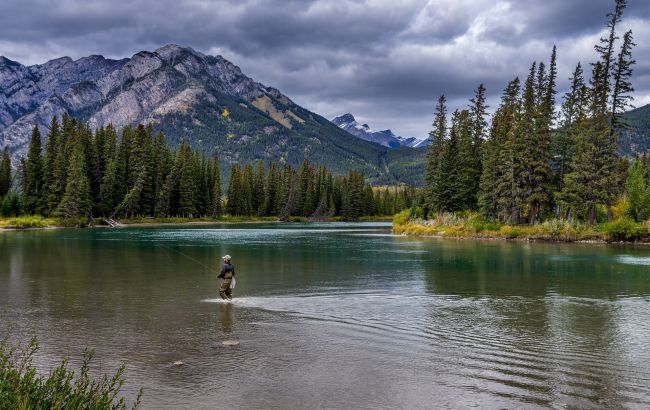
(37, 221)
(22, 387)
(472, 225)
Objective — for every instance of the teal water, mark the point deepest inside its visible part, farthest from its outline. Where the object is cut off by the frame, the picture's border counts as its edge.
(336, 315)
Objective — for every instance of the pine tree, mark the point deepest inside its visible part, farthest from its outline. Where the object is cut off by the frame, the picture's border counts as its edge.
(34, 189)
(258, 189)
(161, 164)
(605, 48)
(187, 184)
(467, 183)
(446, 197)
(574, 112)
(593, 163)
(77, 200)
(621, 97)
(139, 193)
(5, 172)
(246, 193)
(434, 151)
(234, 204)
(215, 193)
(506, 190)
(478, 114)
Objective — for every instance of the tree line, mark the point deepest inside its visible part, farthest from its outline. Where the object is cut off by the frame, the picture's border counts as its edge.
(532, 162)
(81, 173)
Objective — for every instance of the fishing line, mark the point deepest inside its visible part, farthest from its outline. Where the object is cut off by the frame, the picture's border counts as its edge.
(188, 257)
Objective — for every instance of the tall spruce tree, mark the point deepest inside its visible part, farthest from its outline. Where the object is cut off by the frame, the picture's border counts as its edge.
(34, 188)
(216, 207)
(446, 195)
(505, 191)
(574, 114)
(77, 199)
(437, 136)
(5, 172)
(622, 71)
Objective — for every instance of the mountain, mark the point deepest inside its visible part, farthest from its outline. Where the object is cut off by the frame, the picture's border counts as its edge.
(635, 139)
(202, 99)
(386, 138)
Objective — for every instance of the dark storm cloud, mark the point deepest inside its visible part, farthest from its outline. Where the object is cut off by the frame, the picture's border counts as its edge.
(385, 61)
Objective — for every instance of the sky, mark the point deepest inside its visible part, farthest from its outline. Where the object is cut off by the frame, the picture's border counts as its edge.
(385, 61)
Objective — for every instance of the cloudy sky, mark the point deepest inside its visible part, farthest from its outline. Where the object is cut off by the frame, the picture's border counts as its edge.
(385, 61)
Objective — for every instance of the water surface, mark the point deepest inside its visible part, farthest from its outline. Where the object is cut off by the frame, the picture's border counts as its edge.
(337, 315)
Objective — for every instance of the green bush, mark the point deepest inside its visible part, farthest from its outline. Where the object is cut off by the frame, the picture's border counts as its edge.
(624, 229)
(417, 212)
(22, 388)
(402, 218)
(479, 224)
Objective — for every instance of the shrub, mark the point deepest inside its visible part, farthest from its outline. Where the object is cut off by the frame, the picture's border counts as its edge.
(624, 229)
(22, 388)
(402, 218)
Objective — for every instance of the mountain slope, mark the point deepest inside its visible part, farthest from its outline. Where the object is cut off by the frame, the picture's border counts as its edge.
(636, 138)
(386, 138)
(205, 100)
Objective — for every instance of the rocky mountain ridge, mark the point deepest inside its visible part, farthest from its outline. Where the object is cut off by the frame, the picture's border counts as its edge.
(205, 100)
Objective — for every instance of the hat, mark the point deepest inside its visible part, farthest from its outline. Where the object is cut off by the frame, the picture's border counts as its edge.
(226, 257)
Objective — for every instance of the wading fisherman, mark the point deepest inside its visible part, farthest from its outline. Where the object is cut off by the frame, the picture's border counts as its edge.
(227, 273)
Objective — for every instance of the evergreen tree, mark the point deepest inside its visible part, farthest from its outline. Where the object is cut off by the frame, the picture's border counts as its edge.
(434, 151)
(216, 208)
(467, 163)
(574, 112)
(34, 189)
(187, 184)
(621, 97)
(5, 172)
(234, 204)
(51, 149)
(247, 187)
(77, 200)
(499, 193)
(258, 189)
(446, 197)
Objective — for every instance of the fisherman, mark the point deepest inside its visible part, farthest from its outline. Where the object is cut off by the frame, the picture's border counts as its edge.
(227, 273)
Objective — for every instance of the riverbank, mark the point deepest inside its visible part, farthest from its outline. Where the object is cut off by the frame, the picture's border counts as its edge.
(39, 222)
(473, 226)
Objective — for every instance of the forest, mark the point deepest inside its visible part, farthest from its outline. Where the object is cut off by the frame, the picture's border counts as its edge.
(86, 174)
(533, 163)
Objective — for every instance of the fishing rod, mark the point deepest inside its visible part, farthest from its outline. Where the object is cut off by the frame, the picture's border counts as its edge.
(188, 257)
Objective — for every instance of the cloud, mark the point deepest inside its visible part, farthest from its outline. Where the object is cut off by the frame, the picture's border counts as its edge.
(384, 61)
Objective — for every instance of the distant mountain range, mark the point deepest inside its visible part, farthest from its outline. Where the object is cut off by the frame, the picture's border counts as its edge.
(205, 100)
(386, 138)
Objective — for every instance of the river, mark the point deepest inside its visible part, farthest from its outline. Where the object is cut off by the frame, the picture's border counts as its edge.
(336, 315)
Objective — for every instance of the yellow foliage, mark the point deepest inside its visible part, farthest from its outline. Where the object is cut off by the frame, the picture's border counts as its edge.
(225, 114)
(620, 208)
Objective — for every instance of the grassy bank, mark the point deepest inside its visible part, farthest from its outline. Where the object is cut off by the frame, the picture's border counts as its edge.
(27, 222)
(34, 222)
(473, 226)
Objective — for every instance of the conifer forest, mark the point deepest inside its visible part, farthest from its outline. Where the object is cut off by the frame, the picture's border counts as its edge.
(83, 174)
(533, 162)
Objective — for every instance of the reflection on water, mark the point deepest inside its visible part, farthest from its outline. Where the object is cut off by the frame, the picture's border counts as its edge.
(337, 316)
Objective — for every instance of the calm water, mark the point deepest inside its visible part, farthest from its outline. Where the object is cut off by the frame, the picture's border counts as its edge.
(337, 316)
